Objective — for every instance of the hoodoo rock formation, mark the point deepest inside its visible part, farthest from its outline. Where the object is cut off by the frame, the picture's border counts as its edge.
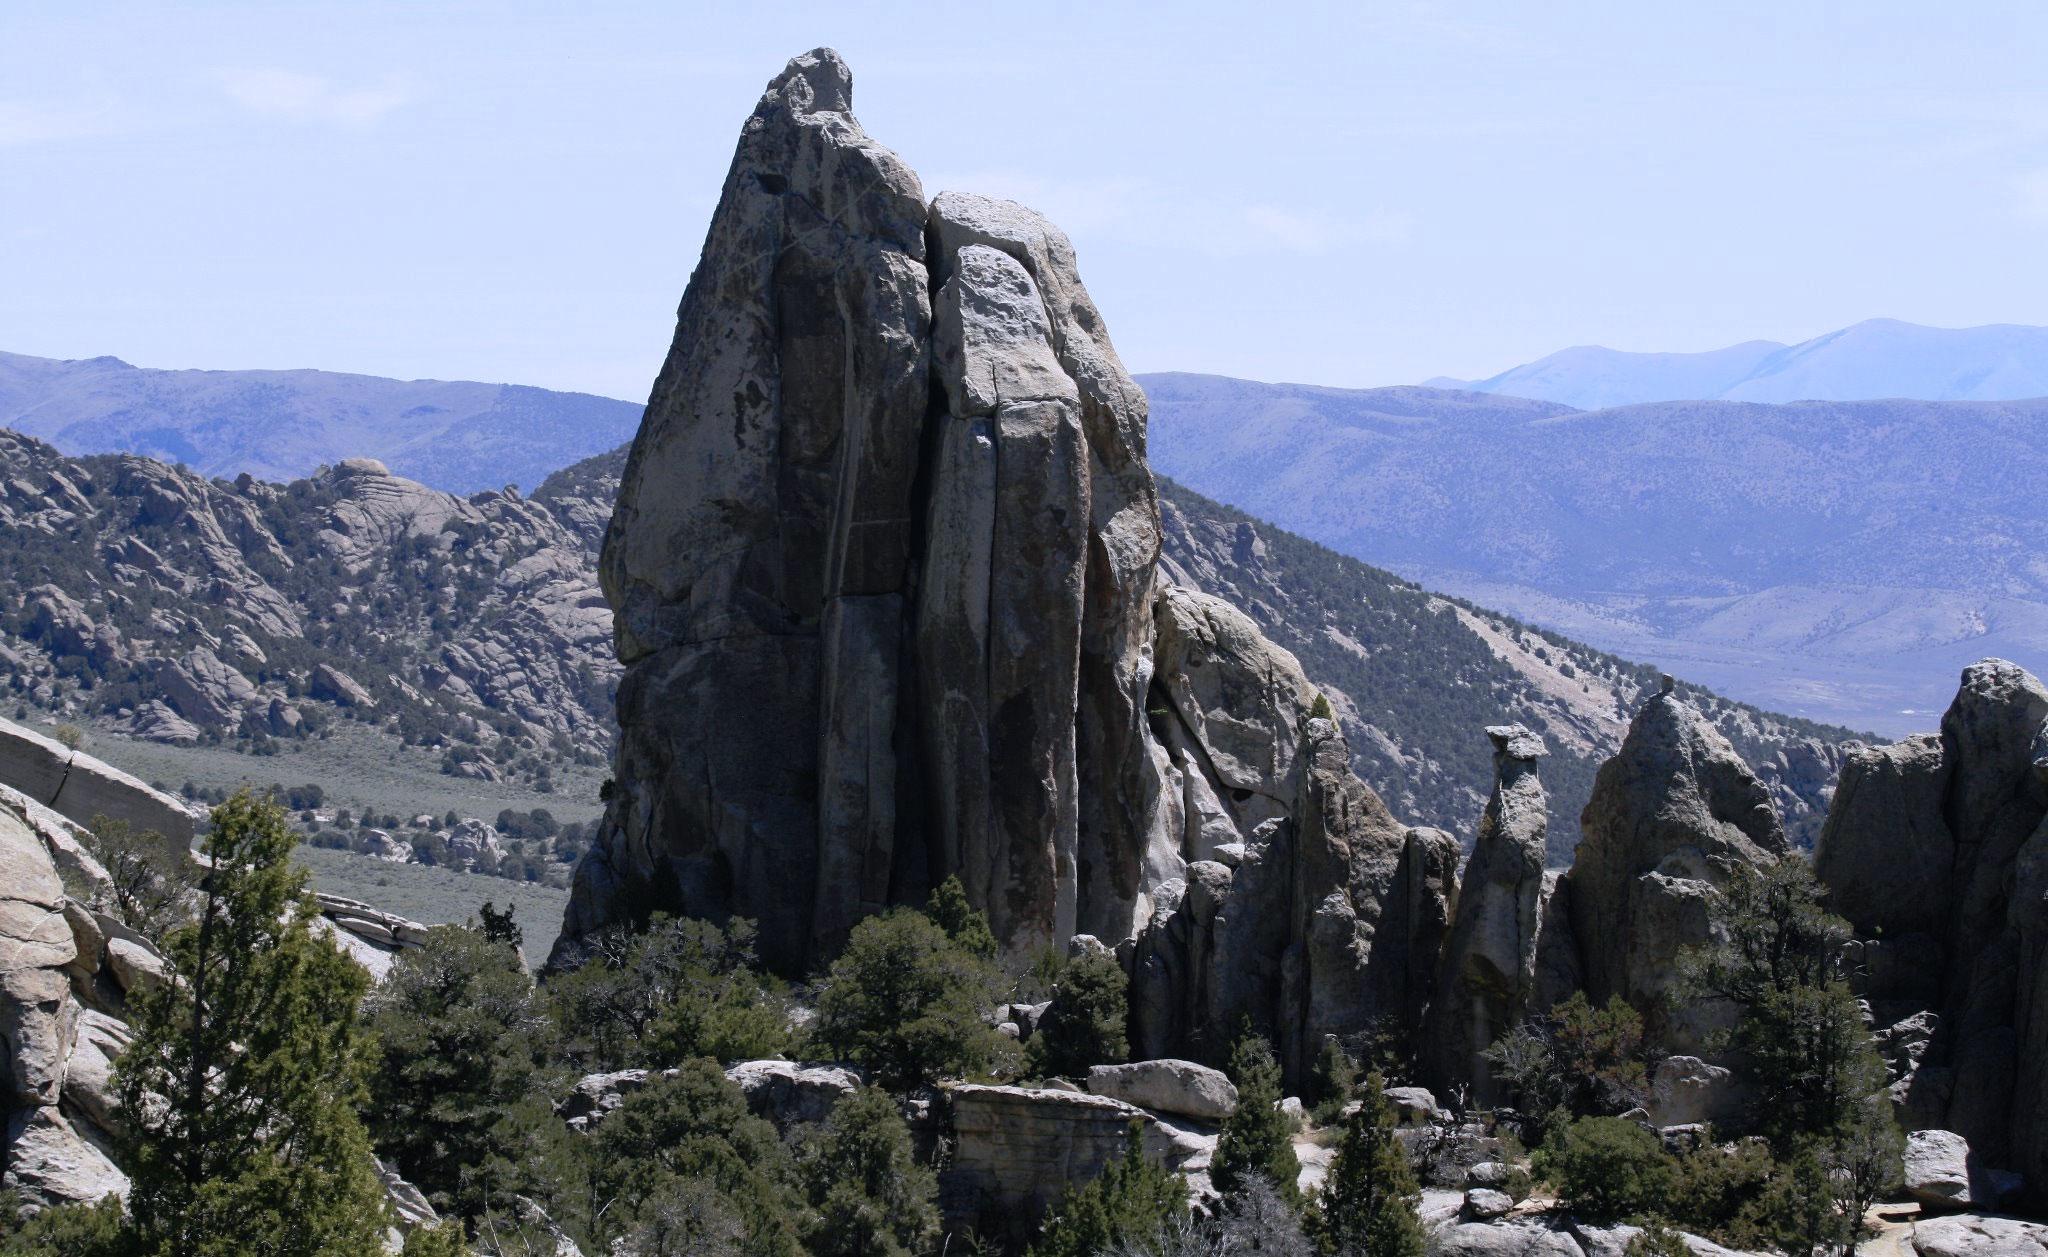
(1936, 850)
(1487, 977)
(885, 573)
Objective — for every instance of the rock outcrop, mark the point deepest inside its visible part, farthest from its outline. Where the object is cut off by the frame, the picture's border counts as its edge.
(187, 610)
(1018, 1149)
(80, 787)
(1487, 976)
(1936, 850)
(1671, 816)
(68, 965)
(884, 569)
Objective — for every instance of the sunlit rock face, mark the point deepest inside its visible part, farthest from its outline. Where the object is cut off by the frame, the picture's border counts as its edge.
(884, 568)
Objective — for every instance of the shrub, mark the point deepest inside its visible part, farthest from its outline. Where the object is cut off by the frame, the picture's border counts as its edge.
(677, 989)
(1132, 1199)
(94, 1230)
(1577, 1059)
(1608, 1170)
(1255, 1142)
(905, 1001)
(151, 880)
(1084, 1023)
(1657, 1240)
(682, 1127)
(949, 910)
(869, 1197)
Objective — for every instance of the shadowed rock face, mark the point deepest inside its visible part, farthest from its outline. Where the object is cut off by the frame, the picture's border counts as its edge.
(1936, 850)
(884, 569)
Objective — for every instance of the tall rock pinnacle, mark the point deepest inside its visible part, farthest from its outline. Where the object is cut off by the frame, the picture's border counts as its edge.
(884, 569)
(1487, 977)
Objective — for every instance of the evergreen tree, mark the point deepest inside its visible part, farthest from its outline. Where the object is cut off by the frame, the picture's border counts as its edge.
(1809, 1058)
(1084, 1023)
(75, 1230)
(869, 1196)
(1131, 1200)
(454, 1023)
(1256, 1141)
(1777, 958)
(905, 1001)
(247, 1065)
(1367, 1208)
(949, 910)
(690, 1126)
(1332, 1080)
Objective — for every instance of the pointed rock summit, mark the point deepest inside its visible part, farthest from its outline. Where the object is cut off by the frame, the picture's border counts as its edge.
(884, 570)
(1671, 816)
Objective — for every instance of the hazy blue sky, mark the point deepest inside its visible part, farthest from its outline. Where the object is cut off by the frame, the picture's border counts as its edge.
(1352, 194)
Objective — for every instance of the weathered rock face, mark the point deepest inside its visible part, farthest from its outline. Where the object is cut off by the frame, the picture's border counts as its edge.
(884, 569)
(1672, 815)
(1488, 972)
(1329, 924)
(1936, 850)
(80, 787)
(1017, 1149)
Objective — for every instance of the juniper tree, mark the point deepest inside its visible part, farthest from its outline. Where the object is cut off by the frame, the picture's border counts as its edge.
(247, 1066)
(1133, 1198)
(455, 1027)
(1257, 1139)
(1083, 1025)
(869, 1196)
(1367, 1206)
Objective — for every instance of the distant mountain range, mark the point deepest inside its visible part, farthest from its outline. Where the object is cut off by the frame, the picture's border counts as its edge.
(1878, 358)
(151, 605)
(1836, 560)
(457, 436)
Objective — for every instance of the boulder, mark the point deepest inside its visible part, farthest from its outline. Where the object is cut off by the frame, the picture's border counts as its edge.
(1940, 1173)
(338, 687)
(89, 1072)
(1483, 1203)
(81, 787)
(49, 1162)
(1971, 1235)
(135, 964)
(1414, 1106)
(1487, 1174)
(1686, 1091)
(1502, 1238)
(1017, 1149)
(789, 1094)
(1168, 1086)
(595, 1095)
